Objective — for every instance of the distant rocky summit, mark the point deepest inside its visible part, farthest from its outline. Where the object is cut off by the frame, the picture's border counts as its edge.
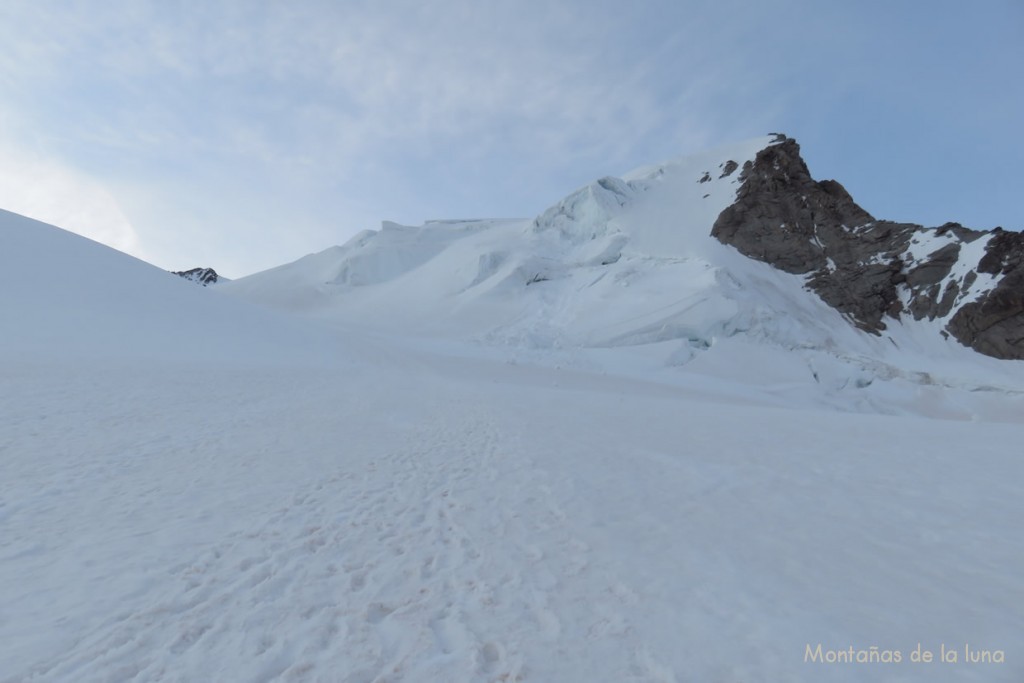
(202, 276)
(873, 271)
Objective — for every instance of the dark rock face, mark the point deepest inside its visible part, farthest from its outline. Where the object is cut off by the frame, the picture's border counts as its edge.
(873, 270)
(202, 276)
(994, 323)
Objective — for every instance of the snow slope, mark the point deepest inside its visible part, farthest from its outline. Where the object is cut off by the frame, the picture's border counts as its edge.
(623, 276)
(560, 280)
(266, 500)
(65, 297)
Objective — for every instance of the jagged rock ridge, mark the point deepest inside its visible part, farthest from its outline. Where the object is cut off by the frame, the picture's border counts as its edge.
(873, 270)
(202, 276)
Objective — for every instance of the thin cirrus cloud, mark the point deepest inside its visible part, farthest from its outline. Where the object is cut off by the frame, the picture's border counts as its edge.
(309, 101)
(405, 74)
(241, 134)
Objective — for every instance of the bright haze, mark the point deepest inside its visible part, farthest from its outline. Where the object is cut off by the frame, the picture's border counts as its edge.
(242, 135)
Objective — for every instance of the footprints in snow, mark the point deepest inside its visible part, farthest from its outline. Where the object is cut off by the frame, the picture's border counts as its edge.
(451, 554)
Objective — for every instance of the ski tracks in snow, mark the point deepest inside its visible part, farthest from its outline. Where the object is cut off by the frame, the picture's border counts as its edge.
(448, 558)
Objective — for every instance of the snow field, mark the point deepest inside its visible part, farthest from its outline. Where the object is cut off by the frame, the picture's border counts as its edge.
(403, 524)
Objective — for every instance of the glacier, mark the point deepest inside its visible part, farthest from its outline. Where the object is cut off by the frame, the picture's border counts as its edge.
(595, 445)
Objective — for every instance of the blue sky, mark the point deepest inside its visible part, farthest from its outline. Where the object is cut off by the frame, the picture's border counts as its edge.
(244, 134)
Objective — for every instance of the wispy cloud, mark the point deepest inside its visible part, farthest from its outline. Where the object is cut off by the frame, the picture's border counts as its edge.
(306, 121)
(349, 75)
(321, 94)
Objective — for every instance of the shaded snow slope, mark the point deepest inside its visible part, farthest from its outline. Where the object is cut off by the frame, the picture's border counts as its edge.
(65, 295)
(629, 264)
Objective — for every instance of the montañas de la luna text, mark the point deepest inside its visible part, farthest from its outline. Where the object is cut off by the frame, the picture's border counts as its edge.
(876, 655)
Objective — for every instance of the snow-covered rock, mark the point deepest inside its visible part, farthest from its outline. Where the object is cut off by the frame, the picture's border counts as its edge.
(201, 276)
(875, 271)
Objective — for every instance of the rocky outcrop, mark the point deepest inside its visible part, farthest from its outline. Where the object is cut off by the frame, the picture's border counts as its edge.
(874, 270)
(202, 276)
(994, 323)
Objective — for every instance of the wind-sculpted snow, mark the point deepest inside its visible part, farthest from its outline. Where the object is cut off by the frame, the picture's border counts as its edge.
(587, 213)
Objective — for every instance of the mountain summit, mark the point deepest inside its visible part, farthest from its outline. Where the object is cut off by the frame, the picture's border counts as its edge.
(871, 270)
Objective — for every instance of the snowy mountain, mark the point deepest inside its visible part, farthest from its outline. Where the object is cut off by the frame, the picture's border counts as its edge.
(733, 263)
(619, 262)
(970, 282)
(633, 470)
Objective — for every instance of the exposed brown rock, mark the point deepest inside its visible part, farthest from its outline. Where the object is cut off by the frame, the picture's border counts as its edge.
(728, 168)
(867, 268)
(994, 323)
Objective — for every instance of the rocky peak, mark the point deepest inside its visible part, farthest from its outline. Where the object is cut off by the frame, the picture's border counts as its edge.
(874, 270)
(202, 276)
